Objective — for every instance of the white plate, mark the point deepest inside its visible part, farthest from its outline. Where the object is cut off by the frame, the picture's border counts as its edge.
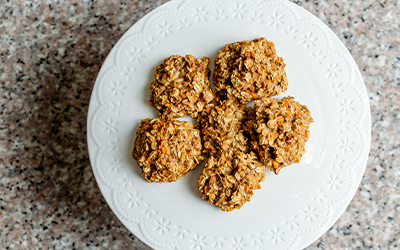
(293, 208)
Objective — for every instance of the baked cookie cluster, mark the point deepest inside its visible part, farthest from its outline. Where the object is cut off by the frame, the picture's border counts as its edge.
(239, 141)
(167, 149)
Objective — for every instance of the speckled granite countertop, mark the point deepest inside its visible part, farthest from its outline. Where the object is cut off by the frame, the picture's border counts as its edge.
(50, 53)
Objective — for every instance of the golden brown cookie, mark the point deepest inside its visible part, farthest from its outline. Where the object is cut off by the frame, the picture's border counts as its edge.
(229, 183)
(281, 127)
(181, 86)
(166, 150)
(249, 70)
(223, 127)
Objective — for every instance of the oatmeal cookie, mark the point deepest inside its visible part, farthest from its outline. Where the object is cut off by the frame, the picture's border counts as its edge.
(229, 183)
(282, 131)
(181, 86)
(166, 150)
(223, 127)
(249, 70)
